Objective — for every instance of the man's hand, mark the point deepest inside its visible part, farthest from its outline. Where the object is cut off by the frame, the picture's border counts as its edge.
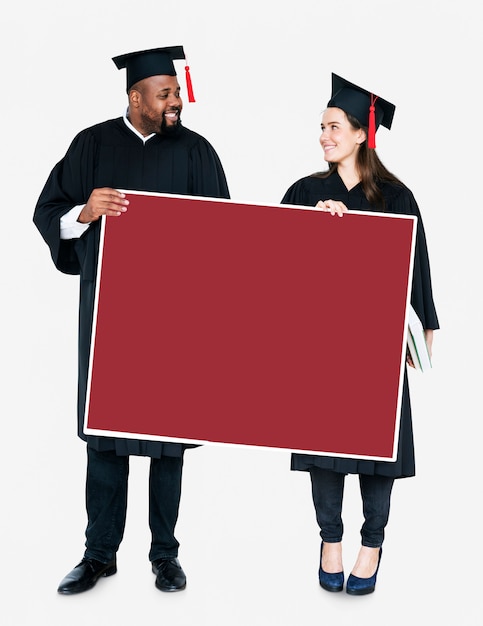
(104, 201)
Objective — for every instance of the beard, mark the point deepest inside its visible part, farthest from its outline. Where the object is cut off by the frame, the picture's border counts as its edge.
(150, 124)
(171, 129)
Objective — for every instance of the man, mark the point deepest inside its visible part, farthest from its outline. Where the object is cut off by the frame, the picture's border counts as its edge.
(149, 150)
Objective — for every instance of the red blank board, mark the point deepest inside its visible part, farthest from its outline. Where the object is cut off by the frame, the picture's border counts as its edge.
(272, 326)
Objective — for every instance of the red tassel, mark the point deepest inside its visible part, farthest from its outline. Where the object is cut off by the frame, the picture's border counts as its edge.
(191, 97)
(371, 140)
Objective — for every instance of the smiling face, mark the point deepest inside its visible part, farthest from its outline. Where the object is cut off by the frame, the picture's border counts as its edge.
(340, 141)
(155, 105)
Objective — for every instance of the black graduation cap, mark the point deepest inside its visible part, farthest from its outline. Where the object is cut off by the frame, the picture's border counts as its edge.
(370, 110)
(154, 62)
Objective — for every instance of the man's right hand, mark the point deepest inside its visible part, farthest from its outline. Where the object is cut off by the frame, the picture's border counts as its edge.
(104, 201)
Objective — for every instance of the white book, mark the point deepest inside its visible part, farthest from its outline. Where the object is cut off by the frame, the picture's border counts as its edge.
(418, 348)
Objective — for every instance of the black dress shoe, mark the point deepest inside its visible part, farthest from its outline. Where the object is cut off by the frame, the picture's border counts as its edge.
(85, 575)
(169, 574)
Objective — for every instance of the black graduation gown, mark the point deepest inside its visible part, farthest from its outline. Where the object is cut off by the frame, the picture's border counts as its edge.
(399, 199)
(111, 155)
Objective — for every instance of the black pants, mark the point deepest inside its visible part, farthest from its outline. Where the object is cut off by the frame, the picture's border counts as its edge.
(327, 494)
(106, 503)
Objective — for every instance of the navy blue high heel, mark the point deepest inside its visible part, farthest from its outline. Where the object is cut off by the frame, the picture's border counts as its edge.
(361, 586)
(330, 582)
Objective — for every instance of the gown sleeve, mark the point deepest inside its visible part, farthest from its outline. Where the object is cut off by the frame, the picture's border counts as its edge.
(207, 174)
(422, 293)
(297, 194)
(69, 184)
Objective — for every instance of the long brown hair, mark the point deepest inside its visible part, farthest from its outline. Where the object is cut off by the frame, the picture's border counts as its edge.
(370, 168)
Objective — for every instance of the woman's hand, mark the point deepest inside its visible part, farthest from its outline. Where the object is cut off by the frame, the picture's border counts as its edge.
(428, 335)
(334, 207)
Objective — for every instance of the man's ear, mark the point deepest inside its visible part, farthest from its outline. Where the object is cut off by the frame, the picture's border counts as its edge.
(134, 98)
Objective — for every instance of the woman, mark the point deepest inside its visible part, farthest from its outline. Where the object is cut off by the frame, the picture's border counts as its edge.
(356, 179)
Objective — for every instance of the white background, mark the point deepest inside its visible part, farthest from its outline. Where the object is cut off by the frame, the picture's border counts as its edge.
(261, 74)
